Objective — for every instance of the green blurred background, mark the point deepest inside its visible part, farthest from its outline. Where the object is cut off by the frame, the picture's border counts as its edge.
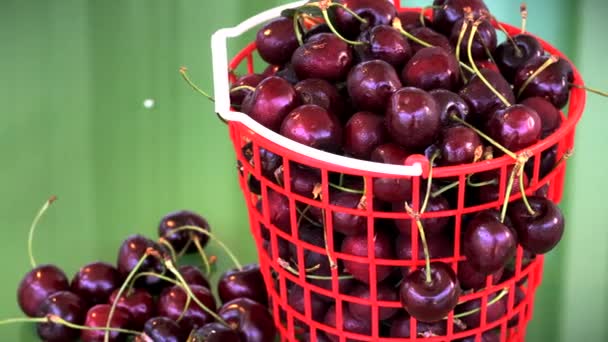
(73, 79)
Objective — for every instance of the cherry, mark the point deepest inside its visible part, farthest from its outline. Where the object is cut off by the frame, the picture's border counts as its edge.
(271, 70)
(370, 84)
(324, 56)
(484, 42)
(321, 93)
(539, 232)
(161, 329)
(494, 311)
(400, 327)
(39, 283)
(177, 219)
(172, 301)
(98, 316)
(432, 226)
(471, 279)
(131, 251)
(430, 301)
(288, 73)
(246, 282)
(314, 236)
(96, 281)
(511, 54)
(553, 83)
(296, 300)
(450, 103)
(215, 332)
(345, 223)
(385, 43)
(374, 12)
(459, 145)
(363, 312)
(276, 41)
(250, 318)
(349, 323)
(549, 115)
(67, 305)
(491, 192)
(313, 126)
(391, 189)
(411, 20)
(431, 37)
(278, 207)
(193, 276)
(440, 246)
(447, 12)
(431, 68)
(488, 244)
(413, 118)
(363, 132)
(515, 127)
(139, 303)
(357, 245)
(271, 101)
(320, 28)
(547, 164)
(481, 99)
(303, 180)
(251, 80)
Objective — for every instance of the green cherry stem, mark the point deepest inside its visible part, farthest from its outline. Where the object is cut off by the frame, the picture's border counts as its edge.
(330, 258)
(523, 10)
(167, 244)
(344, 189)
(480, 184)
(463, 30)
(424, 9)
(184, 72)
(184, 250)
(485, 136)
(287, 266)
(553, 59)
(524, 197)
(505, 203)
(445, 189)
(150, 274)
(492, 302)
(429, 183)
(425, 246)
(297, 27)
(30, 238)
(589, 89)
(242, 87)
(351, 12)
(201, 252)
(303, 216)
(334, 31)
(212, 237)
(341, 181)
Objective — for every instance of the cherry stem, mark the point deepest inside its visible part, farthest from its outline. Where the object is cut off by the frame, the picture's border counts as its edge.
(523, 9)
(524, 197)
(58, 320)
(463, 30)
(476, 69)
(30, 239)
(167, 244)
(485, 136)
(297, 26)
(351, 12)
(333, 29)
(424, 9)
(287, 266)
(492, 302)
(589, 89)
(350, 191)
(201, 252)
(242, 87)
(211, 236)
(150, 274)
(548, 63)
(184, 250)
(445, 189)
(480, 184)
(332, 263)
(427, 256)
(303, 216)
(341, 181)
(184, 72)
(505, 203)
(429, 182)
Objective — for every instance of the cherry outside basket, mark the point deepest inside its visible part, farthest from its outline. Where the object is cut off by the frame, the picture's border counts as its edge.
(296, 315)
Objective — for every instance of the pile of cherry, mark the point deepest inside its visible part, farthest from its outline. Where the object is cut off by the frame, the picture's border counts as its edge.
(147, 295)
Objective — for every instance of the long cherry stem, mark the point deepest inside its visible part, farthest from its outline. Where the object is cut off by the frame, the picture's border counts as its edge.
(505, 203)
(553, 59)
(492, 302)
(169, 246)
(523, 10)
(589, 89)
(345, 189)
(524, 197)
(58, 320)
(463, 30)
(422, 12)
(30, 239)
(425, 246)
(429, 183)
(287, 266)
(445, 189)
(351, 12)
(201, 252)
(184, 72)
(303, 216)
(242, 87)
(330, 258)
(485, 136)
(212, 237)
(297, 27)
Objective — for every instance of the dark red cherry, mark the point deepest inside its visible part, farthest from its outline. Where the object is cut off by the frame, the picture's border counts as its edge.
(215, 332)
(172, 301)
(548, 161)
(313, 126)
(251, 80)
(321, 93)
(98, 317)
(345, 223)
(288, 73)
(324, 56)
(243, 283)
(193, 276)
(432, 226)
(69, 307)
(431, 37)
(139, 303)
(491, 192)
(411, 20)
(440, 246)
(311, 260)
(391, 189)
(179, 219)
(481, 99)
(131, 251)
(296, 300)
(515, 127)
(413, 118)
(363, 132)
(509, 58)
(349, 323)
(278, 207)
(432, 68)
(250, 318)
(450, 103)
(430, 301)
(37, 285)
(488, 244)
(269, 161)
(471, 279)
(374, 12)
(459, 145)
(447, 12)
(319, 28)
(484, 42)
(271, 70)
(357, 246)
(363, 312)
(276, 41)
(553, 83)
(549, 115)
(161, 329)
(385, 43)
(95, 282)
(370, 85)
(271, 101)
(541, 232)
(494, 312)
(303, 180)
(400, 327)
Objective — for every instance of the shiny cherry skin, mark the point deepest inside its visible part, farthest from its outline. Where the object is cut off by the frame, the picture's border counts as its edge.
(509, 59)
(471, 279)
(370, 84)
(349, 323)
(314, 236)
(346, 223)
(549, 115)
(459, 145)
(494, 312)
(411, 20)
(172, 301)
(269, 161)
(271, 101)
(515, 128)
(215, 332)
(484, 41)
(374, 12)
(481, 100)
(139, 303)
(271, 70)
(321, 93)
(243, 283)
(363, 132)
(161, 329)
(400, 327)
(450, 103)
(37, 285)
(391, 189)
(432, 301)
(538, 233)
(67, 305)
(431, 68)
(413, 118)
(488, 244)
(357, 245)
(97, 317)
(432, 226)
(303, 180)
(95, 282)
(296, 300)
(131, 251)
(448, 12)
(553, 83)
(313, 126)
(363, 312)
(431, 37)
(193, 276)
(251, 80)
(276, 41)
(177, 219)
(324, 56)
(385, 43)
(250, 318)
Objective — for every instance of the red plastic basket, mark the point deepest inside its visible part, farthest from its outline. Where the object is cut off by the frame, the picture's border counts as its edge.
(272, 241)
